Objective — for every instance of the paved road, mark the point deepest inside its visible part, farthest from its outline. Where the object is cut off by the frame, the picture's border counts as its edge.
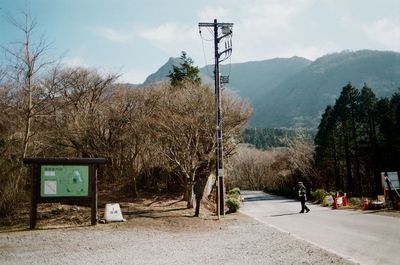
(358, 236)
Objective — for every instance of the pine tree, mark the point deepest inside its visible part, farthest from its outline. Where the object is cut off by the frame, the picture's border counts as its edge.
(345, 107)
(184, 72)
(326, 149)
(368, 142)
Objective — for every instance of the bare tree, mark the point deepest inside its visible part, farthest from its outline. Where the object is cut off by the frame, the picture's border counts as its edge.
(261, 169)
(183, 128)
(79, 118)
(23, 100)
(301, 158)
(28, 59)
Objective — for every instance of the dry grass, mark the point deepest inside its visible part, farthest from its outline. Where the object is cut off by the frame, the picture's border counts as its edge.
(149, 211)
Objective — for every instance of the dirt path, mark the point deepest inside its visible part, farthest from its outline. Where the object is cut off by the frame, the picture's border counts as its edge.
(168, 235)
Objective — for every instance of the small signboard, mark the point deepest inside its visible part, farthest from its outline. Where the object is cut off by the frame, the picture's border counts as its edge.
(393, 178)
(224, 79)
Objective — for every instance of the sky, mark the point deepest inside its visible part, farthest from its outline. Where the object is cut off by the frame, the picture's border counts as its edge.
(136, 37)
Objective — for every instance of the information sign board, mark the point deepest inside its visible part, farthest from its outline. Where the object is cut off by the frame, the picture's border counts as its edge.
(64, 181)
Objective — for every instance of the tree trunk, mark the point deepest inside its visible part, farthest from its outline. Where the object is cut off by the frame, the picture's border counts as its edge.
(350, 185)
(338, 184)
(188, 195)
(199, 192)
(356, 151)
(209, 185)
(28, 116)
(191, 197)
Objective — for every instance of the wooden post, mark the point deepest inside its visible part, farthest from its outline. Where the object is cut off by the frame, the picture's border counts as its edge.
(34, 185)
(93, 177)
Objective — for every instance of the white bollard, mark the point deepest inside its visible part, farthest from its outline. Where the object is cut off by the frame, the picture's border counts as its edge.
(113, 213)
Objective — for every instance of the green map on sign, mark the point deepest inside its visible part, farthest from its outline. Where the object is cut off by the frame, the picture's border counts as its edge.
(64, 181)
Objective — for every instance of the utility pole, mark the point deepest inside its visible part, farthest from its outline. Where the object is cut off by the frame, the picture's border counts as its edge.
(224, 33)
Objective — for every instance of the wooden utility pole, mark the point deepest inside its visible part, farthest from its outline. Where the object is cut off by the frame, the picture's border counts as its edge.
(221, 31)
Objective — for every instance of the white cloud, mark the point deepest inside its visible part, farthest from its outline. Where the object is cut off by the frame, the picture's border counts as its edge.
(256, 23)
(272, 28)
(165, 33)
(172, 38)
(113, 35)
(273, 15)
(385, 31)
(267, 29)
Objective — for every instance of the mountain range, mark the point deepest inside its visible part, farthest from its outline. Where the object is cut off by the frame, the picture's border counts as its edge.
(293, 92)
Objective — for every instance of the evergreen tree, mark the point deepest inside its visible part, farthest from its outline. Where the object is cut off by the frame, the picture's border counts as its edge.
(368, 139)
(395, 103)
(357, 139)
(385, 134)
(184, 72)
(345, 107)
(326, 149)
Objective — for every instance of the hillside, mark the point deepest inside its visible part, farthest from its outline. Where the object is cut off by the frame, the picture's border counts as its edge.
(293, 92)
(299, 100)
(249, 79)
(162, 73)
(253, 79)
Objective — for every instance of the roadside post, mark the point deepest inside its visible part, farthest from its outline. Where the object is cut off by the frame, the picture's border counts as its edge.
(63, 180)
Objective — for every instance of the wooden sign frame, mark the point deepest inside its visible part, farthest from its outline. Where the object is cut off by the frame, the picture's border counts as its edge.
(37, 197)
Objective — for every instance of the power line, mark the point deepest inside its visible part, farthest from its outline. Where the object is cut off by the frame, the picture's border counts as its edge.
(204, 53)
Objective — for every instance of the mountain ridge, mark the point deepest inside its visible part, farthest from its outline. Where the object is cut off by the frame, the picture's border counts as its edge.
(293, 92)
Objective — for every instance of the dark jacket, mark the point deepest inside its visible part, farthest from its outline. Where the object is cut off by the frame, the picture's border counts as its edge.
(302, 192)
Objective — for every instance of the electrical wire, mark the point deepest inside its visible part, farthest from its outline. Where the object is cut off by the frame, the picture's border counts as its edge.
(226, 54)
(204, 54)
(201, 35)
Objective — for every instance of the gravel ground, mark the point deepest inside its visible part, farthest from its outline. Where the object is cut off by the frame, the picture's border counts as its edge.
(170, 239)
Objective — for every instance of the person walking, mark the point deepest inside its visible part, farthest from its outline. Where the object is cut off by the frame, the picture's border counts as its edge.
(303, 197)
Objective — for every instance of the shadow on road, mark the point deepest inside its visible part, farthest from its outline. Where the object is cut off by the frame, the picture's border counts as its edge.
(286, 201)
(258, 198)
(283, 214)
(264, 198)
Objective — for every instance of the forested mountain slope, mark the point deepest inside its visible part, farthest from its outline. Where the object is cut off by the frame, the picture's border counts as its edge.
(293, 92)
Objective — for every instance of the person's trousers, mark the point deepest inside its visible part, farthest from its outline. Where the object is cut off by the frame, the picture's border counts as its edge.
(303, 204)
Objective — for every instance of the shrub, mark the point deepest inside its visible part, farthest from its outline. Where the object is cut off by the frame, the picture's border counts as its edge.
(355, 202)
(9, 198)
(11, 189)
(234, 193)
(233, 204)
(319, 195)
